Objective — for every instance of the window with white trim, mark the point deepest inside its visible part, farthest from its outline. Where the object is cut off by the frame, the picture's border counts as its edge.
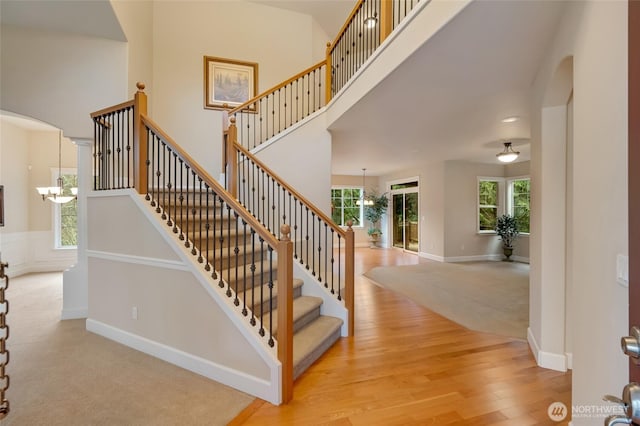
(66, 215)
(489, 206)
(346, 205)
(519, 202)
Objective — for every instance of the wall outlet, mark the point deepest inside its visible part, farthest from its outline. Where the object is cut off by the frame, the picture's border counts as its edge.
(134, 313)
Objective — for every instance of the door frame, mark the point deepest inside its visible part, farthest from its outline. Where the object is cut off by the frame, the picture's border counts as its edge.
(393, 192)
(634, 172)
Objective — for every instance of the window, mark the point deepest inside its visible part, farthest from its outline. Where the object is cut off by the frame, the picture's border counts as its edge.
(66, 215)
(345, 206)
(488, 203)
(519, 202)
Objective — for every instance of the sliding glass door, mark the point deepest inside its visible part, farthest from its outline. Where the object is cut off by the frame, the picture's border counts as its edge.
(405, 224)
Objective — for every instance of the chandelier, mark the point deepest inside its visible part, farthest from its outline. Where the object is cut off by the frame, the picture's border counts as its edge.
(56, 194)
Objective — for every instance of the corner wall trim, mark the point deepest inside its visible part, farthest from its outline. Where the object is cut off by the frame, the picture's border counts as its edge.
(220, 373)
(550, 360)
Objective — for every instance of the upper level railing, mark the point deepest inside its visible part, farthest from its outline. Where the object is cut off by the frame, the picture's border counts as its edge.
(235, 249)
(280, 107)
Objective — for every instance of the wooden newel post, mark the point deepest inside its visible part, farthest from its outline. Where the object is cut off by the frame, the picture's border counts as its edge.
(328, 75)
(232, 158)
(140, 139)
(349, 274)
(285, 311)
(386, 19)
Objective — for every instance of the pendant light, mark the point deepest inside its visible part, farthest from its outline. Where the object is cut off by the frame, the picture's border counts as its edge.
(55, 194)
(508, 155)
(362, 200)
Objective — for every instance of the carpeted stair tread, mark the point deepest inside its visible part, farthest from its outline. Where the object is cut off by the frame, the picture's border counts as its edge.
(312, 341)
(297, 291)
(305, 310)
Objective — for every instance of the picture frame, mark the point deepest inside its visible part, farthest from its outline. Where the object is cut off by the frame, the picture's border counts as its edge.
(1, 205)
(229, 83)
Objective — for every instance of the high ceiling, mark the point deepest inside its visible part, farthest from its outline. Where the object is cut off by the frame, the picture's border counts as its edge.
(445, 102)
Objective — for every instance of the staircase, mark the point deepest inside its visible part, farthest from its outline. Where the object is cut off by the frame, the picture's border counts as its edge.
(235, 250)
(246, 238)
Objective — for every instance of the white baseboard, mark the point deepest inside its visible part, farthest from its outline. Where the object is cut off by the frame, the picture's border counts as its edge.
(477, 258)
(431, 256)
(252, 385)
(569, 360)
(552, 361)
(77, 313)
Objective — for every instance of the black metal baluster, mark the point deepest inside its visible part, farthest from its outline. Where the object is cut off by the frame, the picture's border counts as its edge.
(175, 192)
(181, 200)
(236, 251)
(271, 342)
(306, 260)
(200, 259)
(227, 261)
(207, 227)
(245, 257)
(339, 266)
(164, 193)
(333, 233)
(252, 321)
(261, 275)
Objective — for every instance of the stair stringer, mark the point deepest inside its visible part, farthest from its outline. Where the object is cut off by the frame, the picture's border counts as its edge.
(265, 384)
(331, 306)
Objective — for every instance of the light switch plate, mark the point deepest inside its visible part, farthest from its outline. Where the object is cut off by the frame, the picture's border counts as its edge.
(622, 270)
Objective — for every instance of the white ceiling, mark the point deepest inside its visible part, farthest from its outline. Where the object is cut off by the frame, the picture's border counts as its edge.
(447, 100)
(94, 18)
(26, 123)
(329, 14)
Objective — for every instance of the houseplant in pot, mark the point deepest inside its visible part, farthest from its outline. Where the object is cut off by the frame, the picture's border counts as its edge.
(374, 207)
(507, 230)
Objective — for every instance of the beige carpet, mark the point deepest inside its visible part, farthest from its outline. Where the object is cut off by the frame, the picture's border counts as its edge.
(485, 296)
(63, 375)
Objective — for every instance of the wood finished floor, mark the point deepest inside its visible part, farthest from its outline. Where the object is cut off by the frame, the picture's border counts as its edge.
(407, 365)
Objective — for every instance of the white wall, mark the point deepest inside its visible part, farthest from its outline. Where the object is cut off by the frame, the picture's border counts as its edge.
(595, 34)
(181, 315)
(185, 31)
(136, 19)
(60, 78)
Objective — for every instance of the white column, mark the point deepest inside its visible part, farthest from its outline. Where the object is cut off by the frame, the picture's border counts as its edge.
(75, 283)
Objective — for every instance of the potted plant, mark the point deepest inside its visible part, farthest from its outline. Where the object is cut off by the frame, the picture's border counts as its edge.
(374, 207)
(507, 230)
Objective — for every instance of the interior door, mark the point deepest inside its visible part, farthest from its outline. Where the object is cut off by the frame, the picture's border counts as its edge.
(634, 174)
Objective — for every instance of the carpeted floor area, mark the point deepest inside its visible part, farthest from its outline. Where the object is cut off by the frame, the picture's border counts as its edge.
(63, 375)
(485, 296)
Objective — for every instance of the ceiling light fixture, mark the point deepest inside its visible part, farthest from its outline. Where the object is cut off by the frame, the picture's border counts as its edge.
(371, 21)
(363, 200)
(510, 119)
(55, 194)
(508, 155)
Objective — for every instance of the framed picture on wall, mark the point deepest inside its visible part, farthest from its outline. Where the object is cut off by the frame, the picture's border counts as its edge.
(229, 83)
(1, 205)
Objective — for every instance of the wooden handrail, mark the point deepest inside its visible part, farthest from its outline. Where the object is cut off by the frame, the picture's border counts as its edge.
(114, 108)
(276, 87)
(213, 184)
(295, 193)
(355, 10)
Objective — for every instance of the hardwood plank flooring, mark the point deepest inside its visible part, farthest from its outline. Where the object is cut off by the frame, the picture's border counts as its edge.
(407, 365)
